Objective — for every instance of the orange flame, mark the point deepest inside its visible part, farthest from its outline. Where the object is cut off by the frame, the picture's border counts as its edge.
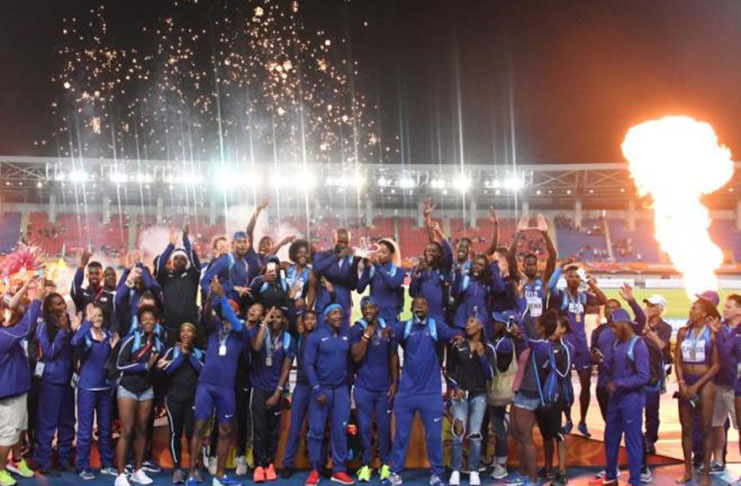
(677, 160)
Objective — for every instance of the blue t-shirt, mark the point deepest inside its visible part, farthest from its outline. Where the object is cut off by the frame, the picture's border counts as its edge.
(373, 373)
(264, 372)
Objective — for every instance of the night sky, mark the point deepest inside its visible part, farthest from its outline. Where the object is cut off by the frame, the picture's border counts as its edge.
(563, 79)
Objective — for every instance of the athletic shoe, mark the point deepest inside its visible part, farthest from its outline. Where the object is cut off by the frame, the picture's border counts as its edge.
(436, 481)
(499, 472)
(19, 468)
(212, 466)
(286, 473)
(646, 476)
(393, 480)
(241, 466)
(474, 479)
(515, 479)
(455, 478)
(178, 476)
(6, 479)
(121, 480)
(583, 430)
(313, 479)
(270, 473)
(547, 474)
(651, 449)
(109, 471)
(191, 481)
(49, 472)
(561, 480)
(197, 475)
(717, 468)
(568, 427)
(225, 480)
(258, 475)
(384, 472)
(151, 466)
(86, 474)
(67, 466)
(141, 477)
(364, 474)
(129, 469)
(343, 478)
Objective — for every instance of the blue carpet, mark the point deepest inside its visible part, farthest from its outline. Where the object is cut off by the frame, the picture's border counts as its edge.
(663, 476)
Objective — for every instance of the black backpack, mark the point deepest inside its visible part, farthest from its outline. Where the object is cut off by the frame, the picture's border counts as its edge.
(656, 371)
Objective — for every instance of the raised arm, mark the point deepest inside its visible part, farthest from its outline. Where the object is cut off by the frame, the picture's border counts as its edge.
(550, 265)
(253, 220)
(494, 241)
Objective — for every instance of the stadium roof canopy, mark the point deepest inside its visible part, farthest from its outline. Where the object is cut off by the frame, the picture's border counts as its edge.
(34, 179)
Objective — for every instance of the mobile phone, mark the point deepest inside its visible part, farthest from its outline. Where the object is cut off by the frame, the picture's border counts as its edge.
(40, 272)
(510, 322)
(271, 267)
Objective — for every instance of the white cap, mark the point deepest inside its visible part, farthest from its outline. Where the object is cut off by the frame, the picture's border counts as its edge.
(656, 299)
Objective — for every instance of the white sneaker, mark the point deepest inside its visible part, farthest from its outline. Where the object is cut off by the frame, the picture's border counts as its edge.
(455, 478)
(499, 472)
(474, 479)
(141, 477)
(241, 468)
(647, 476)
(121, 480)
(212, 465)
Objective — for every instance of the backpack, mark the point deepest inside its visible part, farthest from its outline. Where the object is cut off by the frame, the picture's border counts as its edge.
(499, 389)
(656, 370)
(550, 391)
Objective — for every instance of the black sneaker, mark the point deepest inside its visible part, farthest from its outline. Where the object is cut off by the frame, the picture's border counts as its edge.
(717, 468)
(151, 466)
(286, 472)
(651, 449)
(547, 474)
(560, 480)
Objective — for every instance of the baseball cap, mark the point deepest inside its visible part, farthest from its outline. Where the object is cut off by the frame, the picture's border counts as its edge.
(711, 296)
(620, 315)
(656, 299)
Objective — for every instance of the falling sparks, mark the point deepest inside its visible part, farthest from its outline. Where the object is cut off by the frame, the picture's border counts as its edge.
(677, 160)
(265, 83)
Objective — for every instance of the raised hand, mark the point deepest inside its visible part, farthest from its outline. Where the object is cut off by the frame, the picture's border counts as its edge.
(263, 204)
(493, 216)
(216, 287)
(541, 223)
(626, 292)
(173, 237)
(327, 285)
(524, 223)
(427, 208)
(85, 258)
(76, 322)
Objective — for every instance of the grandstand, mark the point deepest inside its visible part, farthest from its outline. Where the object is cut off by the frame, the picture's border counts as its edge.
(591, 207)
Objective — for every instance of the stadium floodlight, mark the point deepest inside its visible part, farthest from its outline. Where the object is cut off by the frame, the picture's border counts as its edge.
(462, 182)
(406, 182)
(305, 180)
(78, 176)
(118, 177)
(143, 178)
(491, 184)
(514, 184)
(355, 180)
(437, 184)
(383, 182)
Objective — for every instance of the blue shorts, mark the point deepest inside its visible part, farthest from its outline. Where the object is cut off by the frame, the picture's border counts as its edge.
(582, 357)
(526, 403)
(147, 394)
(213, 397)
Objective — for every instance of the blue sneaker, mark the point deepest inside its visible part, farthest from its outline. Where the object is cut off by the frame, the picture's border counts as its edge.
(436, 481)
(191, 481)
(515, 479)
(584, 431)
(225, 480)
(393, 480)
(568, 427)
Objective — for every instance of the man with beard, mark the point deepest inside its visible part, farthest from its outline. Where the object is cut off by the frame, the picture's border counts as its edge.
(233, 270)
(96, 291)
(179, 283)
(339, 266)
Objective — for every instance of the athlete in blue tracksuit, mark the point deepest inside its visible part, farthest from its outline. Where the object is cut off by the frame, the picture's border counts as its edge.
(301, 395)
(430, 279)
(340, 267)
(385, 280)
(473, 291)
(376, 379)
(327, 363)
(56, 405)
(94, 344)
(128, 297)
(15, 375)
(628, 373)
(420, 388)
(215, 391)
(573, 303)
(235, 271)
